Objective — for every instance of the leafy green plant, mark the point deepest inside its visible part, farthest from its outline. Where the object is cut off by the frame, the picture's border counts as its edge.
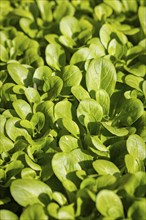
(72, 110)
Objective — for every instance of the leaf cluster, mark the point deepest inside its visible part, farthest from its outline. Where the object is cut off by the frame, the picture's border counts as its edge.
(72, 110)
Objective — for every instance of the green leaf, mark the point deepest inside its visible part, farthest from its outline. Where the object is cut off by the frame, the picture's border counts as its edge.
(80, 93)
(52, 209)
(67, 41)
(55, 56)
(28, 173)
(38, 120)
(63, 213)
(28, 126)
(67, 143)
(14, 168)
(59, 198)
(133, 165)
(71, 126)
(32, 57)
(98, 144)
(30, 192)
(32, 212)
(103, 99)
(109, 204)
(22, 108)
(144, 88)
(51, 38)
(65, 163)
(40, 75)
(104, 167)
(102, 11)
(141, 126)
(137, 210)
(105, 181)
(53, 86)
(140, 190)
(130, 111)
(22, 13)
(29, 27)
(96, 48)
(101, 74)
(21, 43)
(63, 110)
(141, 15)
(118, 150)
(108, 32)
(116, 49)
(71, 76)
(115, 5)
(8, 215)
(47, 108)
(5, 143)
(61, 12)
(3, 54)
(32, 95)
(31, 163)
(7, 93)
(128, 183)
(13, 129)
(116, 131)
(134, 81)
(134, 52)
(19, 74)
(130, 6)
(45, 10)
(2, 177)
(80, 56)
(19, 89)
(136, 147)
(89, 107)
(69, 26)
(66, 212)
(138, 69)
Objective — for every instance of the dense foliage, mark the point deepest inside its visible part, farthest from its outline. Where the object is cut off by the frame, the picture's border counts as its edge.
(73, 120)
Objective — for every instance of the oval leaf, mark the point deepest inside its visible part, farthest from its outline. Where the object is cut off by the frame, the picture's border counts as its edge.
(65, 163)
(19, 74)
(22, 108)
(30, 192)
(89, 107)
(32, 95)
(40, 75)
(69, 26)
(71, 126)
(53, 86)
(101, 74)
(55, 56)
(130, 111)
(8, 215)
(63, 110)
(67, 143)
(80, 93)
(136, 147)
(104, 167)
(137, 210)
(109, 204)
(13, 129)
(71, 76)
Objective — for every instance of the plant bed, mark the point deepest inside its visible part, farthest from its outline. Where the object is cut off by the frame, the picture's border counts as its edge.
(72, 110)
